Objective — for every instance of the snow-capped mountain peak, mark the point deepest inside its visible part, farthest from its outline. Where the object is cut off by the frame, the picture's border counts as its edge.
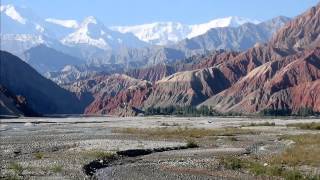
(92, 27)
(21, 29)
(163, 33)
(159, 33)
(20, 21)
(89, 20)
(65, 23)
(92, 32)
(231, 21)
(11, 11)
(89, 32)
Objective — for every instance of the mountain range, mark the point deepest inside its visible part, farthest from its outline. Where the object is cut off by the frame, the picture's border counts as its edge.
(91, 42)
(281, 75)
(228, 38)
(237, 67)
(165, 33)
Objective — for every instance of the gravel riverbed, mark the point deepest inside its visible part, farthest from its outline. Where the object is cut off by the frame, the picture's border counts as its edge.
(58, 148)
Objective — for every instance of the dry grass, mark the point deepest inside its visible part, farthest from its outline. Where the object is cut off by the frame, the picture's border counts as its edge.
(38, 155)
(191, 144)
(231, 162)
(183, 133)
(167, 124)
(17, 168)
(265, 172)
(307, 126)
(305, 151)
(262, 124)
(57, 168)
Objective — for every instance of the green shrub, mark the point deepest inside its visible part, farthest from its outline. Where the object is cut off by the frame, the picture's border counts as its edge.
(38, 155)
(305, 112)
(293, 175)
(263, 124)
(56, 168)
(182, 111)
(275, 170)
(232, 138)
(16, 167)
(192, 144)
(276, 112)
(232, 163)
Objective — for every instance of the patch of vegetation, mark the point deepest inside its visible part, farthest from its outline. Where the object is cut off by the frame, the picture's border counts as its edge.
(230, 113)
(17, 168)
(56, 168)
(192, 144)
(304, 112)
(167, 124)
(293, 175)
(38, 155)
(276, 112)
(258, 169)
(276, 170)
(305, 151)
(232, 138)
(183, 133)
(307, 126)
(191, 111)
(96, 154)
(182, 111)
(233, 163)
(262, 124)
(11, 177)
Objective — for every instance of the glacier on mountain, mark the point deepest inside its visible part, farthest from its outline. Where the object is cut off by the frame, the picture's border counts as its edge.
(11, 11)
(65, 23)
(164, 33)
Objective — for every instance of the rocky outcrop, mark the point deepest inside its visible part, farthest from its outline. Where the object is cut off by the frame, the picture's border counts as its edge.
(129, 98)
(111, 93)
(187, 88)
(43, 96)
(180, 89)
(14, 105)
(157, 72)
(153, 73)
(305, 95)
(300, 33)
(273, 76)
(273, 85)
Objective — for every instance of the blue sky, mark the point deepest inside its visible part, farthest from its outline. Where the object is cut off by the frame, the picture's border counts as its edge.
(129, 12)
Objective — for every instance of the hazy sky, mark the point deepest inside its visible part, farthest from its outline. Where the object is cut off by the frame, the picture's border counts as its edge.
(129, 12)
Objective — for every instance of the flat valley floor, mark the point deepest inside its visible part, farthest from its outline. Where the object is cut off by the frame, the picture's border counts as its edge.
(160, 148)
